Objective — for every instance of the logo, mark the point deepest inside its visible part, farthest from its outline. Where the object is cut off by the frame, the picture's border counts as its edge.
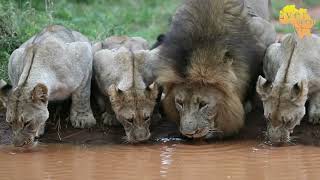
(299, 18)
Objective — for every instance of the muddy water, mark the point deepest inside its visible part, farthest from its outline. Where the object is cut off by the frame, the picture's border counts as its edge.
(233, 160)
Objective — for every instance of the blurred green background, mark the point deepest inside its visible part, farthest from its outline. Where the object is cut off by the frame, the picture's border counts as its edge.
(97, 19)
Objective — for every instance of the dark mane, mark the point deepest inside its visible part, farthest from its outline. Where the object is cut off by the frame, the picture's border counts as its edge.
(208, 24)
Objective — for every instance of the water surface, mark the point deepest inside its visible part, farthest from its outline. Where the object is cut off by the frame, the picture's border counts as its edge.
(224, 160)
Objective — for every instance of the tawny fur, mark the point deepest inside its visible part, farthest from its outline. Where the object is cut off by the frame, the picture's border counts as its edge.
(116, 42)
(216, 44)
(291, 69)
(53, 65)
(117, 68)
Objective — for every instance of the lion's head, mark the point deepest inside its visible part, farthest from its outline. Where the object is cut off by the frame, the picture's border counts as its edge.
(27, 113)
(284, 107)
(134, 108)
(132, 99)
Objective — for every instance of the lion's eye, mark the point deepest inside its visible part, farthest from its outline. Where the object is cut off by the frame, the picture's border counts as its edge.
(202, 104)
(179, 102)
(146, 118)
(130, 120)
(26, 124)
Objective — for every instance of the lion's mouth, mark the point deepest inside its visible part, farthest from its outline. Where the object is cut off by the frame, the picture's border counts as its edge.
(279, 135)
(199, 133)
(26, 142)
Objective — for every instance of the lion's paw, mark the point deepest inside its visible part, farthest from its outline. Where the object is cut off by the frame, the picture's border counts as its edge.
(82, 119)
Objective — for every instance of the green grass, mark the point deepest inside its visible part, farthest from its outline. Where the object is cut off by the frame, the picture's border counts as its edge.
(318, 26)
(97, 19)
(310, 3)
(277, 5)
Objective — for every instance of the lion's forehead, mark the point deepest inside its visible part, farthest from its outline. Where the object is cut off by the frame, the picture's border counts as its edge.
(196, 93)
(136, 102)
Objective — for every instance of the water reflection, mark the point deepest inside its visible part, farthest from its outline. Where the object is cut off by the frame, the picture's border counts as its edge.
(232, 160)
(166, 159)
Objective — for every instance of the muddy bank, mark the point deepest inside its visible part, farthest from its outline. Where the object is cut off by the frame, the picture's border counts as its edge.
(59, 131)
(5, 131)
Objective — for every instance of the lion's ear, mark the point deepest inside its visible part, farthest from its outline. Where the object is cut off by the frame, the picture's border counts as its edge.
(289, 41)
(153, 90)
(299, 91)
(160, 40)
(39, 93)
(264, 87)
(5, 89)
(150, 68)
(159, 69)
(113, 91)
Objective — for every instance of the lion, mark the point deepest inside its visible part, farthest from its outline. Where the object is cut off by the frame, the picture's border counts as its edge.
(291, 70)
(54, 65)
(118, 74)
(207, 64)
(116, 42)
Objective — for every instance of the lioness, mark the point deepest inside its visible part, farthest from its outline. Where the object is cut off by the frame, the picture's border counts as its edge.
(292, 74)
(207, 62)
(53, 65)
(116, 42)
(117, 71)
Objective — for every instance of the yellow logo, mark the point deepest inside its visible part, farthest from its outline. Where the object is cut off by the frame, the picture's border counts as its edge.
(299, 18)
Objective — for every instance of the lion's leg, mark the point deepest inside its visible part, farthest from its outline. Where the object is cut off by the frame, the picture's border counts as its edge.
(314, 108)
(108, 117)
(81, 114)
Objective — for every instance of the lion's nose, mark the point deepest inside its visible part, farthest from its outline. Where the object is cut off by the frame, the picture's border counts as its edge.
(141, 134)
(188, 127)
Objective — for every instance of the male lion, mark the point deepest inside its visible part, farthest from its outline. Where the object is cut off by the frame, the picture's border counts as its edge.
(53, 65)
(118, 71)
(207, 62)
(292, 74)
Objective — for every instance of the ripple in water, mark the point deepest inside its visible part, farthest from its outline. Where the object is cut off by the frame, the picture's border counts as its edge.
(225, 160)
